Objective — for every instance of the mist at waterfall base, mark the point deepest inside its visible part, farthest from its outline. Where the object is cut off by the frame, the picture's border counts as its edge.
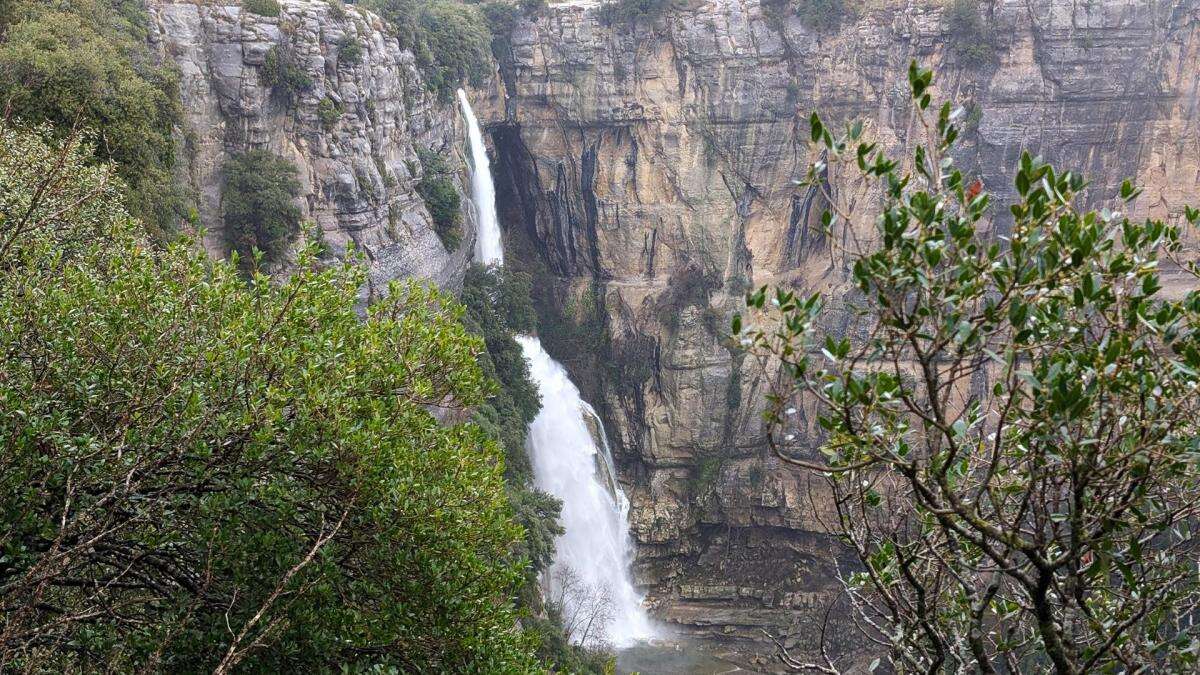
(595, 548)
(590, 572)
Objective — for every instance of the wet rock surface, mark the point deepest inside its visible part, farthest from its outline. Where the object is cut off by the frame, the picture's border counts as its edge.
(650, 181)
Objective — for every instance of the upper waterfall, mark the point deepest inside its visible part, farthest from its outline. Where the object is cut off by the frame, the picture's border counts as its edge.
(590, 577)
(489, 249)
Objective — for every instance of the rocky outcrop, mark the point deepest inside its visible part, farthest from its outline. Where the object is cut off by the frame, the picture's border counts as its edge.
(353, 132)
(648, 176)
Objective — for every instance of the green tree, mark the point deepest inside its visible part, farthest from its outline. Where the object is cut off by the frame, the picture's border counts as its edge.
(201, 473)
(269, 8)
(79, 63)
(281, 72)
(460, 45)
(451, 40)
(350, 50)
(969, 36)
(823, 14)
(441, 197)
(634, 11)
(1010, 436)
(498, 305)
(259, 204)
(533, 7)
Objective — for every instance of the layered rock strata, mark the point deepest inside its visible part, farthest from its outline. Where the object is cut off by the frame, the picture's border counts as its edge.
(353, 130)
(648, 173)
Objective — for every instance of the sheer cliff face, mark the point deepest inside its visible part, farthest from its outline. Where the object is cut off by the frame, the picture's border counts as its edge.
(649, 171)
(358, 166)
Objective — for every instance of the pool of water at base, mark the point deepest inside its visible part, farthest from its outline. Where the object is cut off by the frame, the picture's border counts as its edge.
(674, 658)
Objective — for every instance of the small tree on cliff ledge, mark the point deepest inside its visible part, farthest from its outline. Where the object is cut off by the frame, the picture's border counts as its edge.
(1010, 441)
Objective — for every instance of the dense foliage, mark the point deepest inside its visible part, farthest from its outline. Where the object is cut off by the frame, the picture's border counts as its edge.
(969, 36)
(451, 40)
(201, 472)
(1010, 436)
(823, 14)
(329, 112)
(498, 305)
(437, 190)
(634, 11)
(269, 8)
(259, 205)
(350, 50)
(85, 63)
(281, 72)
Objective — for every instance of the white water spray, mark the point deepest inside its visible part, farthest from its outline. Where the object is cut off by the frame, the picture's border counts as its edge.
(489, 250)
(596, 547)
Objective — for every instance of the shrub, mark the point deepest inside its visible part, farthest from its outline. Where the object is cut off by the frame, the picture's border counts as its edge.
(823, 14)
(1042, 521)
(533, 7)
(498, 305)
(337, 10)
(329, 112)
(562, 656)
(969, 37)
(502, 18)
(441, 197)
(242, 477)
(350, 50)
(459, 44)
(401, 17)
(451, 40)
(60, 64)
(633, 11)
(281, 72)
(259, 205)
(269, 8)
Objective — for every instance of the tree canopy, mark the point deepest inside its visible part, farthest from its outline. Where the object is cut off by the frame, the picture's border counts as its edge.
(85, 63)
(202, 472)
(259, 205)
(451, 40)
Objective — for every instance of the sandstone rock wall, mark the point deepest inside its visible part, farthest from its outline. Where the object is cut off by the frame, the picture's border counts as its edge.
(649, 173)
(359, 169)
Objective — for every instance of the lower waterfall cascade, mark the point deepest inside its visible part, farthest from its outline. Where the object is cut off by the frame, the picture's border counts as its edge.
(590, 576)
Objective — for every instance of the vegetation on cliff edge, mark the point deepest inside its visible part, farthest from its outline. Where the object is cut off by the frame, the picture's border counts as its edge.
(499, 306)
(441, 197)
(824, 15)
(259, 203)
(451, 40)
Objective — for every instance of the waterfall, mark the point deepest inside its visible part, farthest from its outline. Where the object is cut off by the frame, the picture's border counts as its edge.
(596, 547)
(488, 248)
(590, 575)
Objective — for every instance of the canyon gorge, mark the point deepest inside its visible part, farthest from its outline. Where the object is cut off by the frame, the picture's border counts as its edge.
(647, 177)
